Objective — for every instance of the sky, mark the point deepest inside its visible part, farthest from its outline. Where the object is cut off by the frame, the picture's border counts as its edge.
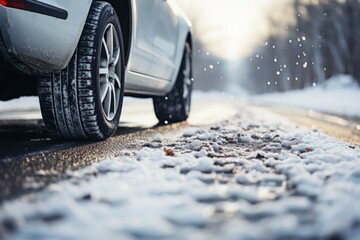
(231, 28)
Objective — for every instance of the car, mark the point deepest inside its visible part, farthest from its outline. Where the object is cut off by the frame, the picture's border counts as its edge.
(82, 57)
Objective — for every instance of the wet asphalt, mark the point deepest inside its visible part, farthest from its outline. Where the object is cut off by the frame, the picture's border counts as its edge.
(28, 151)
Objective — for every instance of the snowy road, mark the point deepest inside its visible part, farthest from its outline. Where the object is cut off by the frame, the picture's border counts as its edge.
(233, 172)
(342, 127)
(27, 150)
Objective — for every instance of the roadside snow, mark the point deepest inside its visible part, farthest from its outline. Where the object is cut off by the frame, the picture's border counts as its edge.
(255, 176)
(339, 95)
(19, 104)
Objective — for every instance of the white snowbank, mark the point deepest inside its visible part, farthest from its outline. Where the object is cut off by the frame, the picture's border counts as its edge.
(339, 95)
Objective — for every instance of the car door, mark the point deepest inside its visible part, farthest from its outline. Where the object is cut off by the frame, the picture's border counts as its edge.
(142, 52)
(165, 40)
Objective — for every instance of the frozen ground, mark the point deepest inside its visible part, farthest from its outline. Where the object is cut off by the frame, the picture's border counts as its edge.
(339, 95)
(255, 176)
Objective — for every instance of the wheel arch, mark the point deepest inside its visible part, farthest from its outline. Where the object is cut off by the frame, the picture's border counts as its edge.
(123, 9)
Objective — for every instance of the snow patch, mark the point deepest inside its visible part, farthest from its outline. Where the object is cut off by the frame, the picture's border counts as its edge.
(339, 95)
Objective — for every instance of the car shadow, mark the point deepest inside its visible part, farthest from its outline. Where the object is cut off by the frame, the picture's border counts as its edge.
(29, 155)
(30, 137)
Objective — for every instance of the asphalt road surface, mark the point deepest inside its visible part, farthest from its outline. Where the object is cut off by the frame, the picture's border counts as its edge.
(27, 149)
(232, 171)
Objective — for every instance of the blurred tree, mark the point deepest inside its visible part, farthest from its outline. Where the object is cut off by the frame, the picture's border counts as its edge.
(322, 41)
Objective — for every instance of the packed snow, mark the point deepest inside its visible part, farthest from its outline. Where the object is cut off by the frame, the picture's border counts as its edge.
(254, 176)
(339, 95)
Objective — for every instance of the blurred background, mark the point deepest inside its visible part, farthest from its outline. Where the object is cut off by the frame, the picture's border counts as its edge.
(261, 46)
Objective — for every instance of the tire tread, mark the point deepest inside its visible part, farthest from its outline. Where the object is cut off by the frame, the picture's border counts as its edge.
(67, 97)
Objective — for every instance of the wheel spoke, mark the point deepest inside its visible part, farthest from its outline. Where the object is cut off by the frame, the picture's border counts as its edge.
(110, 41)
(116, 60)
(115, 77)
(116, 47)
(186, 92)
(187, 80)
(106, 102)
(106, 49)
(186, 71)
(104, 92)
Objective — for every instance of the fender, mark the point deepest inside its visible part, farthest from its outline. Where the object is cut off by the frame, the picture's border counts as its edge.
(52, 51)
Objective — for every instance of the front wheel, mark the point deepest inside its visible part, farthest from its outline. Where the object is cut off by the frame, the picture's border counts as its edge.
(84, 100)
(175, 106)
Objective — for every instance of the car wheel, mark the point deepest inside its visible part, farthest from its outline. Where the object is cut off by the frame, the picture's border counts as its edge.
(84, 100)
(175, 106)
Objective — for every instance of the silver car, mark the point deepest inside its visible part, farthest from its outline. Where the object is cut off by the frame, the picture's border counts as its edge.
(83, 56)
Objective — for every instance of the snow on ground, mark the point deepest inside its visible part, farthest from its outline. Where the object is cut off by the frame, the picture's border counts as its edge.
(255, 176)
(339, 95)
(19, 104)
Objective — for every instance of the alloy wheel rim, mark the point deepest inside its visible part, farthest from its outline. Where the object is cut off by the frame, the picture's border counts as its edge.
(187, 82)
(110, 84)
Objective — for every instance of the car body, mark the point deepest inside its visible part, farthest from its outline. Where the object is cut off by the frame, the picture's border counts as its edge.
(43, 43)
(41, 37)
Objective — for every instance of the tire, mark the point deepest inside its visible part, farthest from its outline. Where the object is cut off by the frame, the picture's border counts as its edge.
(84, 100)
(175, 106)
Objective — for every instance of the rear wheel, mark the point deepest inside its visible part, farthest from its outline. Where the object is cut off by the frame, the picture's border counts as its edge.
(175, 106)
(84, 100)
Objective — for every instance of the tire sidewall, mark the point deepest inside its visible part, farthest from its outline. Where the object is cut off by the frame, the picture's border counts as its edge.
(108, 15)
